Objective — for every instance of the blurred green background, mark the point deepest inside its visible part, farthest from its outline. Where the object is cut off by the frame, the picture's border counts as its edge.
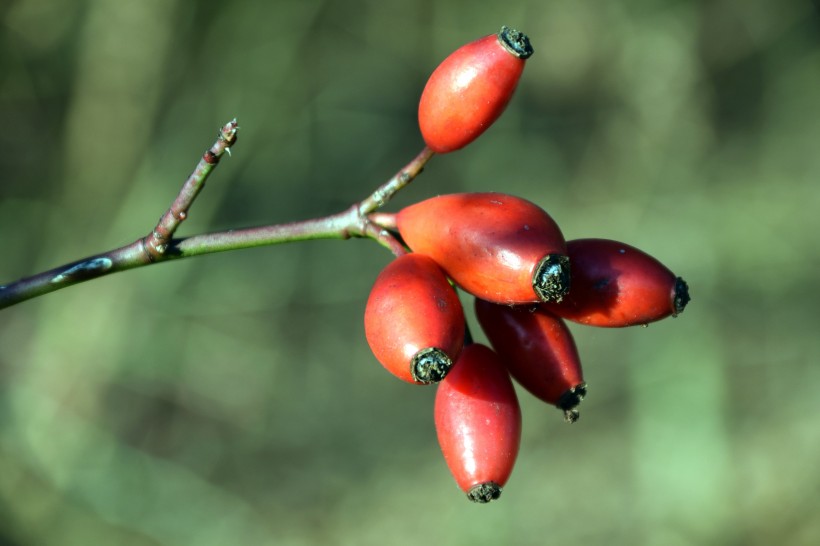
(232, 399)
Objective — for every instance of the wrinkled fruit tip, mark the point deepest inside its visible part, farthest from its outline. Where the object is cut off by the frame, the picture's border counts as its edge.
(515, 42)
(483, 493)
(570, 400)
(430, 366)
(680, 296)
(570, 416)
(552, 278)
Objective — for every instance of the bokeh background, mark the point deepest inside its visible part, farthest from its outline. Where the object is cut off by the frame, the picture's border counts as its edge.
(232, 399)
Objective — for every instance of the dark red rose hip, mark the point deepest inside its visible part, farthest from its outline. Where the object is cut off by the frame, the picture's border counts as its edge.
(538, 350)
(414, 322)
(495, 246)
(616, 285)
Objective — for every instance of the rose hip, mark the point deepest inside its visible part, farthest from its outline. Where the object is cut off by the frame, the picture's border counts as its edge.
(497, 247)
(414, 322)
(470, 89)
(478, 423)
(538, 350)
(616, 285)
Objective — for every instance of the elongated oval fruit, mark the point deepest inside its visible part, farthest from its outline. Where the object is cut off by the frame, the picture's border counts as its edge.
(471, 88)
(616, 285)
(478, 423)
(538, 350)
(414, 322)
(497, 247)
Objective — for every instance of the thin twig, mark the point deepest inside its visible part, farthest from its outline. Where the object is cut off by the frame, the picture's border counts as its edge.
(387, 190)
(156, 242)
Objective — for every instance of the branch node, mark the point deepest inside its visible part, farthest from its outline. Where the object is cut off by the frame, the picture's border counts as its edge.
(149, 249)
(210, 158)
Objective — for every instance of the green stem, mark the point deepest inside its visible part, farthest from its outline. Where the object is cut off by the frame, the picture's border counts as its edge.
(337, 226)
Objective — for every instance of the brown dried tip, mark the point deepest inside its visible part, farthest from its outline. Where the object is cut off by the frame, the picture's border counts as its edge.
(430, 365)
(483, 493)
(551, 279)
(569, 402)
(515, 42)
(680, 296)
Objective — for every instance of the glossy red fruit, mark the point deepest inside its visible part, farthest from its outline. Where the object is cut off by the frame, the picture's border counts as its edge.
(497, 247)
(615, 285)
(478, 423)
(414, 322)
(539, 352)
(470, 89)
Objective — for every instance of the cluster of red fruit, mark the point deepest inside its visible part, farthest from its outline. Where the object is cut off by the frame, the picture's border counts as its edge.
(511, 255)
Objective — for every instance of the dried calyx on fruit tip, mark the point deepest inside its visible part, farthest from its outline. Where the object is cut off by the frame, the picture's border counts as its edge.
(430, 365)
(551, 279)
(680, 296)
(515, 42)
(570, 400)
(483, 493)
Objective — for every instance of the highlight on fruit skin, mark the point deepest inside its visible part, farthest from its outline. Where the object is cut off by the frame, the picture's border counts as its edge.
(471, 88)
(414, 322)
(539, 351)
(478, 423)
(616, 285)
(497, 247)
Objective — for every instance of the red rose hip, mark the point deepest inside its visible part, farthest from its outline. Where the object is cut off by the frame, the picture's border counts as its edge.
(616, 285)
(495, 246)
(539, 352)
(413, 321)
(478, 423)
(470, 89)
